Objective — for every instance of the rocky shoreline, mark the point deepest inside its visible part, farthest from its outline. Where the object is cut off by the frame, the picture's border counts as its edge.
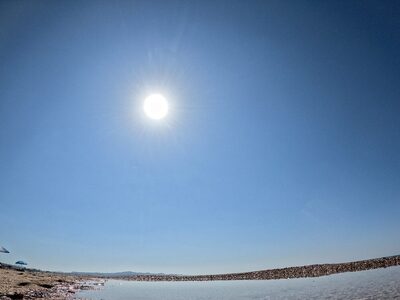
(283, 273)
(18, 283)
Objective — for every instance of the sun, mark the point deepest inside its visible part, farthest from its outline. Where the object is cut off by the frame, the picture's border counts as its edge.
(155, 106)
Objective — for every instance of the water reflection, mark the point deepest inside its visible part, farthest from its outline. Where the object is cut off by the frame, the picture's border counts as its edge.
(381, 283)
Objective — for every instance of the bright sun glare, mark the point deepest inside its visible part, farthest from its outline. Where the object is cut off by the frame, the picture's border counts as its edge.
(155, 106)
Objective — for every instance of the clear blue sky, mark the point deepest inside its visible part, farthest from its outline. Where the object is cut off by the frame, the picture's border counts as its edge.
(282, 146)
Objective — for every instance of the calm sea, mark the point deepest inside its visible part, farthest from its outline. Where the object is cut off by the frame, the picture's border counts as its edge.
(372, 284)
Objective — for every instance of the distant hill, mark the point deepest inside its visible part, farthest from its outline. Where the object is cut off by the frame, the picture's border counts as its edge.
(89, 274)
(116, 274)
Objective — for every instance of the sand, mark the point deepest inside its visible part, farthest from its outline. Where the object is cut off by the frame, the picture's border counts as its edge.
(18, 283)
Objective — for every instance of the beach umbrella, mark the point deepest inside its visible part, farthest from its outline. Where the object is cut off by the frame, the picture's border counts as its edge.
(21, 263)
(4, 250)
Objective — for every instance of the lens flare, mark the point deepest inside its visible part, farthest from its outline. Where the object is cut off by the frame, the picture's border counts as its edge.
(155, 106)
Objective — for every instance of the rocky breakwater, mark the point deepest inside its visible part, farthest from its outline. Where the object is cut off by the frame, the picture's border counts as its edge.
(283, 273)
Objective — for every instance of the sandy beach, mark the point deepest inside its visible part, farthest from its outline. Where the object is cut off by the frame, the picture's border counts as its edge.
(18, 283)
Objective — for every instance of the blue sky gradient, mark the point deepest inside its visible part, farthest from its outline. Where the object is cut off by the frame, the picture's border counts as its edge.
(282, 146)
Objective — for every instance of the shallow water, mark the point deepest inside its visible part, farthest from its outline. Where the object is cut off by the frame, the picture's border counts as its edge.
(372, 284)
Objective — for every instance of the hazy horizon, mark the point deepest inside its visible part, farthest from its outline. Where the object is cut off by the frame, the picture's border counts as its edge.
(281, 146)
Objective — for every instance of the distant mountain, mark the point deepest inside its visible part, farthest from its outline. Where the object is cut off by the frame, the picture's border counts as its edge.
(90, 274)
(115, 274)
